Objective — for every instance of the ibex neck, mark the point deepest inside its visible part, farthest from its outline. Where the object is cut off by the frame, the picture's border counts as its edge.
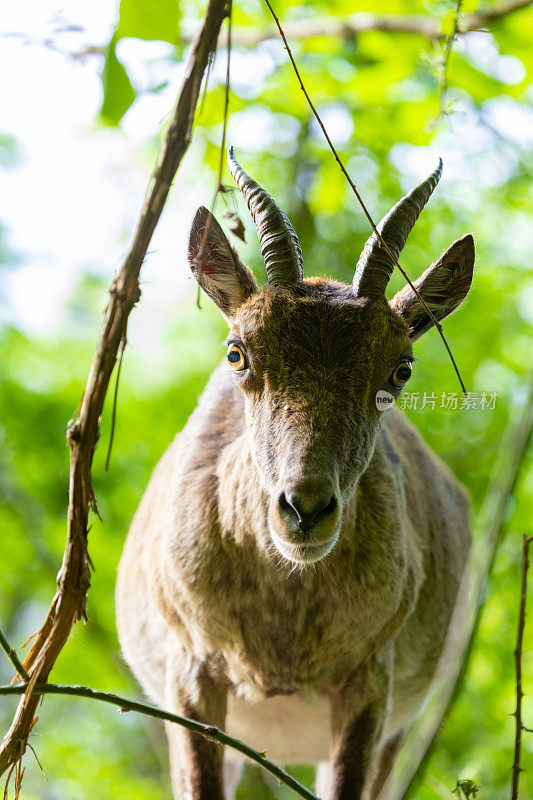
(243, 500)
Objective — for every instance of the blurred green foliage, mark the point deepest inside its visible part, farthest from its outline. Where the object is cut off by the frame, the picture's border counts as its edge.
(378, 93)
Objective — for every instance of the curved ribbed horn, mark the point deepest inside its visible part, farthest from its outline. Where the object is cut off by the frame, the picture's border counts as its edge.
(375, 266)
(279, 244)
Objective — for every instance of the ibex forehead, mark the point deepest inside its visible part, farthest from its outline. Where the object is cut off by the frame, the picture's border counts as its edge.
(320, 311)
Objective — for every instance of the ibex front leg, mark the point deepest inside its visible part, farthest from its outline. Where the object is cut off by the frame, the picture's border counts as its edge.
(358, 713)
(195, 763)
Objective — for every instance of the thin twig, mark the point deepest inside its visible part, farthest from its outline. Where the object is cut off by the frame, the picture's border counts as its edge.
(32, 748)
(207, 76)
(115, 401)
(446, 52)
(13, 657)
(360, 199)
(218, 186)
(222, 157)
(18, 772)
(73, 582)
(518, 662)
(210, 732)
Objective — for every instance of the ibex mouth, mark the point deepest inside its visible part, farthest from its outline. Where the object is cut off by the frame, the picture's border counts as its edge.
(304, 553)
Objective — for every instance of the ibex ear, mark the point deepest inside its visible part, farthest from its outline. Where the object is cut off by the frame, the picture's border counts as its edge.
(216, 266)
(443, 287)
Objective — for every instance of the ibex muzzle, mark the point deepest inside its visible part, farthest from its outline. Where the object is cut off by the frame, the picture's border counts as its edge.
(289, 459)
(305, 519)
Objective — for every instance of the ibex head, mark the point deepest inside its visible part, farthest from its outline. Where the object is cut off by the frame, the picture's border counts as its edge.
(310, 355)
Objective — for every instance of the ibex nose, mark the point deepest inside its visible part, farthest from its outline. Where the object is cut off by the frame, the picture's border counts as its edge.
(308, 503)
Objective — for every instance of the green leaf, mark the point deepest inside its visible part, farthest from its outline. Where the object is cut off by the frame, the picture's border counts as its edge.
(149, 19)
(119, 94)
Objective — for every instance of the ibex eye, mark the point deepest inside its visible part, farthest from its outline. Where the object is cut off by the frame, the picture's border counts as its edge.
(236, 357)
(401, 374)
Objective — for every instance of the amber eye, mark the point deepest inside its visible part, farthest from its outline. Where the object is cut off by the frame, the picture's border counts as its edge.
(236, 357)
(401, 374)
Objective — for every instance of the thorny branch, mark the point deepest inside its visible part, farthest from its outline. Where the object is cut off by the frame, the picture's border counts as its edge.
(360, 199)
(69, 603)
(518, 662)
(210, 732)
(123, 343)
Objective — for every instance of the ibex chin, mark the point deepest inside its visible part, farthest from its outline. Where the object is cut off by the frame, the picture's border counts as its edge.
(291, 572)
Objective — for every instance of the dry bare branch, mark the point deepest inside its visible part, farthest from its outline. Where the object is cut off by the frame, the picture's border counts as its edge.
(519, 727)
(68, 605)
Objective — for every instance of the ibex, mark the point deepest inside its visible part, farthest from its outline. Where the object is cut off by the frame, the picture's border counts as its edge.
(291, 572)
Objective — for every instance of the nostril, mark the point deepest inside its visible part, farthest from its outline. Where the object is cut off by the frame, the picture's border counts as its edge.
(290, 510)
(285, 505)
(330, 507)
(322, 509)
(307, 519)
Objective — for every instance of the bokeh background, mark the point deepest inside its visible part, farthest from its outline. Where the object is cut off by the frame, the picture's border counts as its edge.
(86, 92)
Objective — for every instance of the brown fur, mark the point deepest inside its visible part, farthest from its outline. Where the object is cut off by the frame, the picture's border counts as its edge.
(230, 611)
